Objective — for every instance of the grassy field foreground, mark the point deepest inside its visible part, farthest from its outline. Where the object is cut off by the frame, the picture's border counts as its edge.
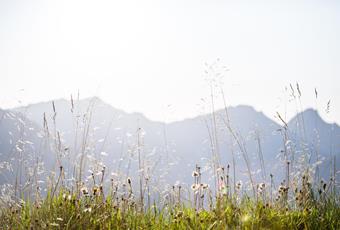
(94, 211)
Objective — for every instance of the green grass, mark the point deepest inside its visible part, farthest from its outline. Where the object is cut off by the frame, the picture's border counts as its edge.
(96, 212)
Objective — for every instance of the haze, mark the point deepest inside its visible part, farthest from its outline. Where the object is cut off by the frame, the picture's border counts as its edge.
(146, 55)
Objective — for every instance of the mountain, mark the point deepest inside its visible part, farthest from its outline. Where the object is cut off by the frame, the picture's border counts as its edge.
(321, 138)
(20, 142)
(108, 136)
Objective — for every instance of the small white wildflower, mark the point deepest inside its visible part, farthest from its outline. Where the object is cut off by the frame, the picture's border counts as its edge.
(195, 174)
(88, 209)
(194, 186)
(84, 190)
(220, 169)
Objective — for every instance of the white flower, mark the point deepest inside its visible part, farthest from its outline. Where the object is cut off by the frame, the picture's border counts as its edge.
(84, 190)
(195, 174)
(195, 186)
(88, 209)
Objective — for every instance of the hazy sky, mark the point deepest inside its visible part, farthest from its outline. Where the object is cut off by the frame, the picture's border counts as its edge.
(144, 55)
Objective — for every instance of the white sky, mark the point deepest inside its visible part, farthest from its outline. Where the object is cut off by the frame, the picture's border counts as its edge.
(144, 55)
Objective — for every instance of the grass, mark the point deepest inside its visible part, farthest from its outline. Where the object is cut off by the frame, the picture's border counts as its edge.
(72, 202)
(66, 211)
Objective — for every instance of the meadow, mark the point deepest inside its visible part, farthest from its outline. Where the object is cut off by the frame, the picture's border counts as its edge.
(69, 200)
(91, 208)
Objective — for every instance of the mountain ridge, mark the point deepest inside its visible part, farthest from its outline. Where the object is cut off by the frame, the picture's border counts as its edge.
(221, 110)
(180, 143)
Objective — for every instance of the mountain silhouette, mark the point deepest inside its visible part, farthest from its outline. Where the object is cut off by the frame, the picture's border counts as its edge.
(171, 150)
